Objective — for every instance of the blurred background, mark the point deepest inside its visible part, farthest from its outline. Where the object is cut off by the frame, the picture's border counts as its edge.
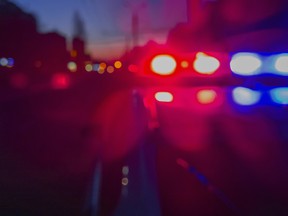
(88, 127)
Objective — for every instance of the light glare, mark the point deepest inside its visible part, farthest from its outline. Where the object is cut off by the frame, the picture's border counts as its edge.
(206, 96)
(280, 95)
(281, 64)
(72, 66)
(245, 64)
(163, 64)
(245, 96)
(60, 81)
(164, 97)
(184, 64)
(118, 64)
(133, 68)
(4, 62)
(10, 62)
(125, 170)
(205, 64)
(110, 69)
(89, 67)
(125, 181)
(102, 67)
(96, 67)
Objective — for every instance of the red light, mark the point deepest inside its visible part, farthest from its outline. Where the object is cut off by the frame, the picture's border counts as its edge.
(184, 64)
(164, 97)
(206, 96)
(163, 64)
(182, 163)
(19, 80)
(133, 68)
(60, 81)
(205, 64)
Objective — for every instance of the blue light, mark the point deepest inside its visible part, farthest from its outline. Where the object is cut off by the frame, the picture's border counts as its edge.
(281, 64)
(246, 64)
(245, 96)
(279, 95)
(10, 62)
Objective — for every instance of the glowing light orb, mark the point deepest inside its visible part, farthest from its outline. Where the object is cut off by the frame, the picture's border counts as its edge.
(245, 96)
(205, 64)
(72, 66)
(4, 62)
(164, 97)
(246, 64)
(125, 181)
(125, 170)
(280, 95)
(133, 68)
(102, 67)
(73, 53)
(163, 64)
(89, 67)
(60, 81)
(184, 64)
(281, 64)
(96, 67)
(206, 96)
(110, 69)
(118, 64)
(10, 62)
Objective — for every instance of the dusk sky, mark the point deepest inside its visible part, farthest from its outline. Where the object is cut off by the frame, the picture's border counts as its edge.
(108, 22)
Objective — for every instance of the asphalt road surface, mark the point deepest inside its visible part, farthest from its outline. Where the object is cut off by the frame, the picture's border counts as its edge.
(63, 153)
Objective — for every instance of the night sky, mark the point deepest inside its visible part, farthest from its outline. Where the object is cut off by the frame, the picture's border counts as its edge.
(107, 23)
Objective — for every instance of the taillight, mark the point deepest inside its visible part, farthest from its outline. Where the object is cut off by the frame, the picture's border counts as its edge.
(163, 64)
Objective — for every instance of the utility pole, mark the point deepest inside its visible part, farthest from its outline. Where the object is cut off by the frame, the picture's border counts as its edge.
(135, 9)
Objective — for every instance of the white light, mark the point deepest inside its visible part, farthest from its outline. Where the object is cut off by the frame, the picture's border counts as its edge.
(89, 67)
(72, 66)
(125, 170)
(164, 97)
(246, 64)
(280, 95)
(4, 61)
(245, 96)
(281, 64)
(125, 181)
(205, 64)
(163, 64)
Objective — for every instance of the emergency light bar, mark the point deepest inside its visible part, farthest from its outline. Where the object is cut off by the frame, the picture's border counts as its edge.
(242, 63)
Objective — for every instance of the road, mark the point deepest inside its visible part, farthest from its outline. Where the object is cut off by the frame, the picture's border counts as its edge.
(224, 161)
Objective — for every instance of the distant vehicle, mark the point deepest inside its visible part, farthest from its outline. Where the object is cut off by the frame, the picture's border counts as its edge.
(248, 56)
